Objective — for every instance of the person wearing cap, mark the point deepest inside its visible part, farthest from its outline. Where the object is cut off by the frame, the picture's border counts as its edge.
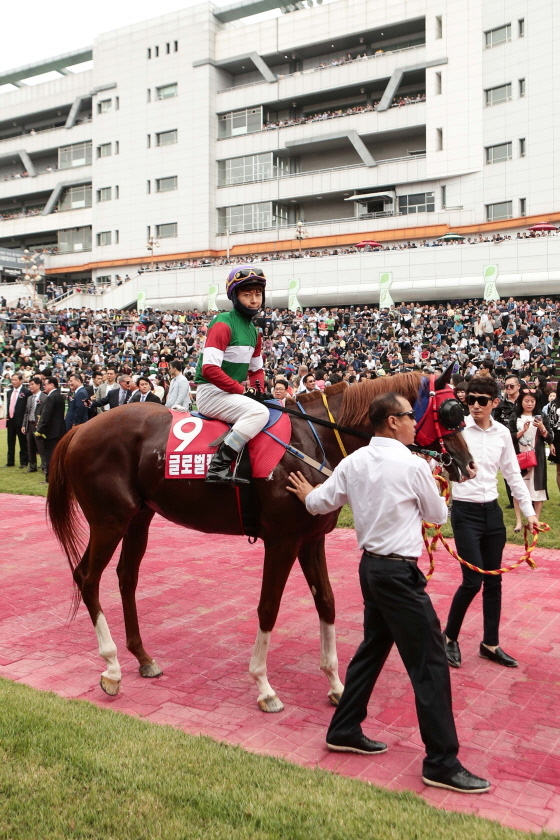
(232, 355)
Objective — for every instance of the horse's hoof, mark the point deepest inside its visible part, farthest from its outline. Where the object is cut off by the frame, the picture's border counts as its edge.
(270, 704)
(334, 697)
(151, 669)
(109, 686)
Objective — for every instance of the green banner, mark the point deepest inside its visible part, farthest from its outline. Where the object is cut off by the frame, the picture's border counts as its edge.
(490, 277)
(212, 294)
(141, 301)
(385, 299)
(293, 288)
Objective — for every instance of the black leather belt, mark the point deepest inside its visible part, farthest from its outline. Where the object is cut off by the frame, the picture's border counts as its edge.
(392, 557)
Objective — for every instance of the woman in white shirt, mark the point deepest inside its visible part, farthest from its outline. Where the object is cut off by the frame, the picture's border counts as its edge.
(529, 432)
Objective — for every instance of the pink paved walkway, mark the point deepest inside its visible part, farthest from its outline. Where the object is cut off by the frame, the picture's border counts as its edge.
(197, 600)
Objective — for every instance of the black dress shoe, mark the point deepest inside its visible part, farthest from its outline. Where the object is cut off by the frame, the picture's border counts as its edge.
(462, 781)
(452, 652)
(357, 744)
(9, 465)
(31, 469)
(498, 656)
(22, 466)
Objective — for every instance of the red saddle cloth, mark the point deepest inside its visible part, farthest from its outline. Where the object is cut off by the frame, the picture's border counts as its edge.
(188, 452)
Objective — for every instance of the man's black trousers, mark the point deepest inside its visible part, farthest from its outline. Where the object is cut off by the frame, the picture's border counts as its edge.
(397, 609)
(15, 433)
(480, 537)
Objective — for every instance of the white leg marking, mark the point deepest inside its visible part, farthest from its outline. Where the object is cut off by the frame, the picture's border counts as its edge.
(107, 649)
(329, 659)
(267, 700)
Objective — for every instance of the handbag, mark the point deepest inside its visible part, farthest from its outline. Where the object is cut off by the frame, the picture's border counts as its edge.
(527, 459)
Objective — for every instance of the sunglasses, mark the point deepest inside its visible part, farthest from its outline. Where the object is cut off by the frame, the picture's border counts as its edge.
(472, 399)
(402, 414)
(512, 386)
(529, 391)
(248, 272)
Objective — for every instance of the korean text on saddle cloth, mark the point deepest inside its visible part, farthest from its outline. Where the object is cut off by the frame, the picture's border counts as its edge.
(188, 452)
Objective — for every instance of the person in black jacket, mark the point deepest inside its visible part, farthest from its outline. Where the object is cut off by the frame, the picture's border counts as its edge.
(118, 396)
(16, 403)
(144, 392)
(51, 426)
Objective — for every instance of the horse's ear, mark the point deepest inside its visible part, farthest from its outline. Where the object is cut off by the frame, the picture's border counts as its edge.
(445, 377)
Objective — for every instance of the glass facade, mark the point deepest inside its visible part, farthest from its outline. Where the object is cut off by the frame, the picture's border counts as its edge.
(240, 122)
(497, 95)
(243, 170)
(241, 217)
(494, 37)
(416, 203)
(78, 154)
(74, 239)
(75, 197)
(499, 153)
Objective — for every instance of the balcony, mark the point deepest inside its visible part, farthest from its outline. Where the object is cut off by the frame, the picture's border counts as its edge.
(48, 139)
(35, 223)
(342, 180)
(43, 182)
(306, 82)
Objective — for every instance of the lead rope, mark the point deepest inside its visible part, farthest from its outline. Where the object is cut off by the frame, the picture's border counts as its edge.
(437, 536)
(331, 418)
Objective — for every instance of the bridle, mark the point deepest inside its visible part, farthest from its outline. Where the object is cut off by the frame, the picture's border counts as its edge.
(443, 417)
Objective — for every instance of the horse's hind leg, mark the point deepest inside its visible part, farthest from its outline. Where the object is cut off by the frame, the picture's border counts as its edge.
(101, 547)
(279, 557)
(314, 566)
(132, 552)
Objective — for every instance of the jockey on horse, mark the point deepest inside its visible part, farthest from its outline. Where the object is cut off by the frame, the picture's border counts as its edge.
(233, 353)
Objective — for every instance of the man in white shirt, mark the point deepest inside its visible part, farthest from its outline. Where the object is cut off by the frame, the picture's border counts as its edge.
(390, 491)
(478, 523)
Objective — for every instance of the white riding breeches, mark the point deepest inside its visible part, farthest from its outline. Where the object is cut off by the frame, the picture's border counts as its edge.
(248, 416)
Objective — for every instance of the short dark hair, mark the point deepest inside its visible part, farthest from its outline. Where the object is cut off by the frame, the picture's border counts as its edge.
(512, 376)
(461, 385)
(383, 407)
(483, 385)
(37, 380)
(76, 376)
(53, 380)
(145, 379)
(307, 376)
(112, 367)
(19, 375)
(282, 382)
(177, 364)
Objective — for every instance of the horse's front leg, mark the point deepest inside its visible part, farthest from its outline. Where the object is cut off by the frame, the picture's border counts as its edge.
(279, 557)
(314, 566)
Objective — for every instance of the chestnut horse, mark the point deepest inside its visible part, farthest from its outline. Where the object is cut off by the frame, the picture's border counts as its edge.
(113, 469)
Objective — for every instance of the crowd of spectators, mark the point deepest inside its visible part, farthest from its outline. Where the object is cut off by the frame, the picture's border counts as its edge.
(341, 112)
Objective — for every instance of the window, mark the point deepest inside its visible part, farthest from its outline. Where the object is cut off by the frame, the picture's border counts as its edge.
(104, 238)
(521, 87)
(104, 194)
(501, 210)
(499, 153)
(443, 197)
(166, 138)
(166, 184)
(105, 150)
(495, 37)
(439, 26)
(497, 95)
(521, 147)
(117, 147)
(103, 280)
(117, 192)
(438, 83)
(522, 206)
(156, 50)
(79, 154)
(521, 27)
(243, 170)
(439, 139)
(175, 46)
(166, 231)
(117, 103)
(166, 91)
(240, 122)
(168, 48)
(104, 106)
(243, 217)
(148, 187)
(416, 203)
(149, 52)
(75, 198)
(149, 95)
(74, 239)
(148, 140)
(116, 237)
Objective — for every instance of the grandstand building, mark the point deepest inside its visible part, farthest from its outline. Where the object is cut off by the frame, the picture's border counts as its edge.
(264, 128)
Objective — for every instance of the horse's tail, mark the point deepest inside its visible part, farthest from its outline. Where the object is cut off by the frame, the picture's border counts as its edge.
(62, 507)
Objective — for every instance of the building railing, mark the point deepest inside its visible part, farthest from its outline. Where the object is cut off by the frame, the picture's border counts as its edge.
(281, 174)
(35, 131)
(380, 215)
(340, 63)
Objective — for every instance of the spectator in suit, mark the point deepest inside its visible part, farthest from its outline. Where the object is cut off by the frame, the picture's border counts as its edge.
(116, 397)
(31, 417)
(144, 392)
(110, 384)
(94, 384)
(281, 390)
(179, 392)
(51, 425)
(77, 403)
(17, 397)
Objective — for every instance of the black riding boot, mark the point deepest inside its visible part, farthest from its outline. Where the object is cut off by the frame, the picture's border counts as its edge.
(219, 469)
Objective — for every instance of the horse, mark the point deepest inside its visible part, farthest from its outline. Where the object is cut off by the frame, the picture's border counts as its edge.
(112, 469)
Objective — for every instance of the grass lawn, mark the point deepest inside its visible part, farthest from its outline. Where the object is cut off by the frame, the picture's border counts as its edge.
(70, 770)
(14, 480)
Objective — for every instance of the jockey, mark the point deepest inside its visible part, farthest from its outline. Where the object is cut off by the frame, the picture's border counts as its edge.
(232, 353)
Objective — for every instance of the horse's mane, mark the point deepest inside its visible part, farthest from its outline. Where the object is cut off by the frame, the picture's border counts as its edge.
(357, 398)
(313, 396)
